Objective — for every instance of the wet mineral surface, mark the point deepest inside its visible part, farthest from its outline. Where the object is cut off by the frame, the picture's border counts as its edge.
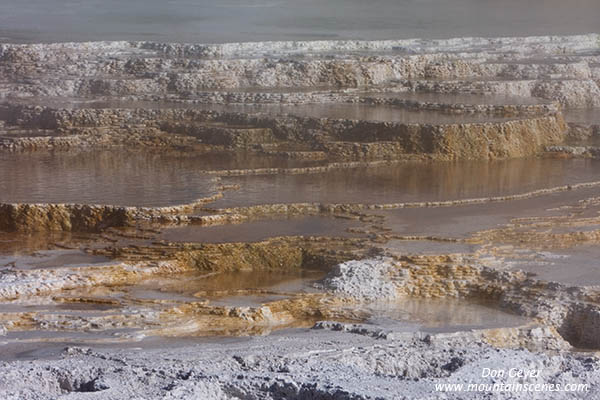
(333, 219)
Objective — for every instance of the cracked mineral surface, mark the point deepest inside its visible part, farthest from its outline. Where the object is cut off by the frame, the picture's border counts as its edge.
(300, 220)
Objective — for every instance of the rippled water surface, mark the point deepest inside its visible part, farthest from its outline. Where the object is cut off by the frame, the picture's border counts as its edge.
(411, 182)
(255, 231)
(150, 178)
(362, 112)
(118, 176)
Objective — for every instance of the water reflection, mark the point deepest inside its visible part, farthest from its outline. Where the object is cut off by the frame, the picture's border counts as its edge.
(260, 230)
(412, 182)
(118, 176)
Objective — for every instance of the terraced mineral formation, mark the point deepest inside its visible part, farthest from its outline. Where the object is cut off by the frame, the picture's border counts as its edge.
(255, 279)
(98, 94)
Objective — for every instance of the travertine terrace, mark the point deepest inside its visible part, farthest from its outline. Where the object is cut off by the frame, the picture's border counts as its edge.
(303, 216)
